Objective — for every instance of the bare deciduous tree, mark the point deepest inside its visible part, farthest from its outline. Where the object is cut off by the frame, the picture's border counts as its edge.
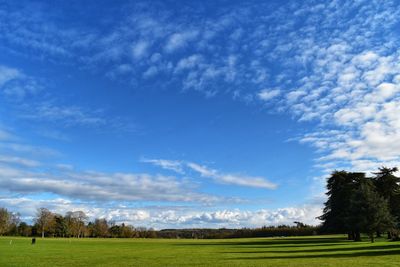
(5, 219)
(44, 220)
(76, 222)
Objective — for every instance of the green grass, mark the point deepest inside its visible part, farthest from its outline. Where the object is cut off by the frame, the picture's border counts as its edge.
(298, 251)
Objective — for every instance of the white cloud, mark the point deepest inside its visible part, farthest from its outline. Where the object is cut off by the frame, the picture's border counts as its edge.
(363, 111)
(267, 94)
(179, 40)
(366, 58)
(349, 87)
(188, 63)
(169, 217)
(139, 49)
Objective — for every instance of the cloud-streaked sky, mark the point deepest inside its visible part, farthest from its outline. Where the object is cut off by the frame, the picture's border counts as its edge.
(193, 113)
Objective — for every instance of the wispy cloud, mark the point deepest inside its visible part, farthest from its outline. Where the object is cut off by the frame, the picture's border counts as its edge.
(18, 160)
(5, 135)
(223, 178)
(233, 179)
(173, 165)
(75, 116)
(31, 99)
(21, 172)
(96, 186)
(7, 74)
(27, 149)
(15, 85)
(67, 115)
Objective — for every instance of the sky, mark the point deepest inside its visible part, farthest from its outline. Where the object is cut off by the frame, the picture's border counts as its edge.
(180, 114)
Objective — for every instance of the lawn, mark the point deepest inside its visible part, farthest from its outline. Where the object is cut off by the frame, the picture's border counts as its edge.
(297, 251)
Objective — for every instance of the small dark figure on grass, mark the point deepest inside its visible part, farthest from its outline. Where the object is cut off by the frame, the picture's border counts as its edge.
(33, 241)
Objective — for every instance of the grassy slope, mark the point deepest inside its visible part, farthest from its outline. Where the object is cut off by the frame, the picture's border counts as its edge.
(302, 251)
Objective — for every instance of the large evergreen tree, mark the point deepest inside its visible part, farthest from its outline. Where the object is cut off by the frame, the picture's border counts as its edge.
(354, 206)
(368, 212)
(336, 209)
(388, 186)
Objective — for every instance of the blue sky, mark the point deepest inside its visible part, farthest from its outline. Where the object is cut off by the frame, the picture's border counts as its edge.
(192, 114)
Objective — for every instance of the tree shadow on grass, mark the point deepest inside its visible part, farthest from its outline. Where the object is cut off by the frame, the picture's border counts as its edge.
(382, 252)
(350, 248)
(267, 245)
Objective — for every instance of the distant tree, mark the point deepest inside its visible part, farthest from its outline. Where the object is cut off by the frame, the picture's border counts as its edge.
(151, 233)
(5, 221)
(141, 232)
(300, 224)
(24, 229)
(127, 231)
(60, 227)
(14, 222)
(71, 224)
(76, 222)
(45, 220)
(100, 228)
(116, 230)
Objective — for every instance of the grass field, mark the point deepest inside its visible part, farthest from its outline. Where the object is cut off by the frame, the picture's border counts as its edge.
(300, 251)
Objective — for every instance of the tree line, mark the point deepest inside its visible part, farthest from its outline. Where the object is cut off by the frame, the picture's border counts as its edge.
(76, 224)
(359, 204)
(72, 224)
(299, 229)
